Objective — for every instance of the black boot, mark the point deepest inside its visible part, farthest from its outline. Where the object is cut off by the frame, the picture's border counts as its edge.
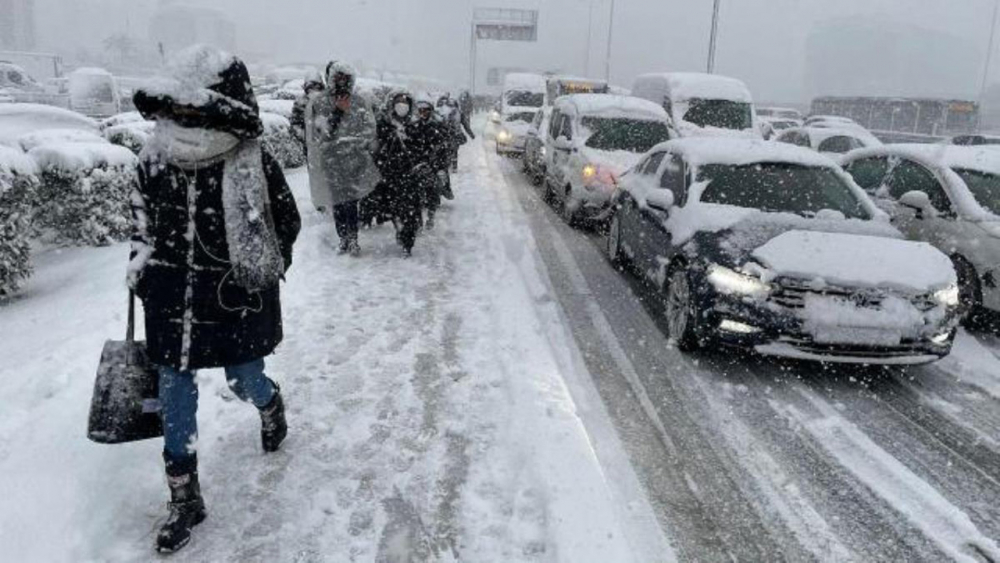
(273, 427)
(187, 508)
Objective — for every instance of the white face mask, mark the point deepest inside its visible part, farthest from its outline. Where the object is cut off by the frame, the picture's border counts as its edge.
(402, 109)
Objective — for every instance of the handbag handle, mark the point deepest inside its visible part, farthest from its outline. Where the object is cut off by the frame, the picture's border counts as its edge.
(130, 331)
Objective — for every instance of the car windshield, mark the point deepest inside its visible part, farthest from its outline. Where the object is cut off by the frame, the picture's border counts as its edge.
(525, 99)
(724, 114)
(623, 134)
(525, 116)
(780, 188)
(984, 187)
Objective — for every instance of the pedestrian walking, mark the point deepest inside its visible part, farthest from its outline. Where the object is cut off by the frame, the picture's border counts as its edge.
(313, 85)
(397, 157)
(432, 144)
(214, 224)
(466, 108)
(449, 109)
(341, 136)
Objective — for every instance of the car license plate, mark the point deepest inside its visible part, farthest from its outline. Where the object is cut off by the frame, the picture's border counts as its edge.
(857, 335)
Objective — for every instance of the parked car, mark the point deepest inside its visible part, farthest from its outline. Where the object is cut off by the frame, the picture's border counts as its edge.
(14, 80)
(94, 92)
(829, 121)
(17, 120)
(780, 113)
(773, 248)
(829, 141)
(947, 196)
(974, 140)
(701, 104)
(590, 141)
(513, 131)
(770, 127)
(533, 158)
(522, 91)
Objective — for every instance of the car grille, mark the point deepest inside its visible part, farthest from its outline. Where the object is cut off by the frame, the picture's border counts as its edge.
(904, 349)
(792, 294)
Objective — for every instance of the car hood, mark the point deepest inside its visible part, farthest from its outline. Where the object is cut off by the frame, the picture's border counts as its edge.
(853, 260)
(517, 128)
(617, 162)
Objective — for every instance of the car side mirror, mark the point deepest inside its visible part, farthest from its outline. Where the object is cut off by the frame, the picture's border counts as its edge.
(661, 200)
(920, 202)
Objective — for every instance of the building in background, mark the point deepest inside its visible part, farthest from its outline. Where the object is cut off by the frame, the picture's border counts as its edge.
(17, 25)
(175, 26)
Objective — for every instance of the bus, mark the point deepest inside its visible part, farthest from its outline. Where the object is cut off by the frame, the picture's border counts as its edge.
(558, 86)
(904, 119)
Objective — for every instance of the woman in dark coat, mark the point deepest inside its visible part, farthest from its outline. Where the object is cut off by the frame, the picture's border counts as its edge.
(214, 226)
(396, 157)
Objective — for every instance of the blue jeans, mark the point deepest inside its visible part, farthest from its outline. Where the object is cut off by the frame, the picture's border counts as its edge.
(179, 402)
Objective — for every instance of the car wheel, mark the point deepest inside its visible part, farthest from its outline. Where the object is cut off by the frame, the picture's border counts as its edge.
(970, 293)
(681, 311)
(616, 254)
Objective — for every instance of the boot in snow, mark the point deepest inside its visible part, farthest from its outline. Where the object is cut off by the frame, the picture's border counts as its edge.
(187, 508)
(430, 221)
(344, 246)
(354, 249)
(273, 426)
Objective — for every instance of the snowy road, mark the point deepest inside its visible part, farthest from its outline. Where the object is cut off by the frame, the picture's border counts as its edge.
(755, 460)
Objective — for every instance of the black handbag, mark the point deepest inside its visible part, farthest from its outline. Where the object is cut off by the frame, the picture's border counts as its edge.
(125, 406)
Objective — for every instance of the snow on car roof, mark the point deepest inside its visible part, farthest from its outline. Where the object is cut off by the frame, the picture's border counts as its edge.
(983, 159)
(698, 85)
(699, 151)
(29, 141)
(524, 81)
(820, 134)
(90, 71)
(611, 105)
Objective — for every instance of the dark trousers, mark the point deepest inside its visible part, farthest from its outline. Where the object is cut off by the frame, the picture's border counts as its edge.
(345, 217)
(407, 210)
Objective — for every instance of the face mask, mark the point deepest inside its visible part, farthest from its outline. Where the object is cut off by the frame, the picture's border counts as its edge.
(402, 109)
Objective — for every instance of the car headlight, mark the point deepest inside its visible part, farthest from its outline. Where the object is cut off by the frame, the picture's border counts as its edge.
(731, 282)
(589, 172)
(504, 136)
(541, 151)
(947, 296)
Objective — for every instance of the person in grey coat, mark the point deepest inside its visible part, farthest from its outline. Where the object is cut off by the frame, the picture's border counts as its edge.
(340, 136)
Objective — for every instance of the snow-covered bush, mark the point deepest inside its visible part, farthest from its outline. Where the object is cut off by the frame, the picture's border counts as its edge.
(282, 144)
(84, 192)
(49, 136)
(18, 186)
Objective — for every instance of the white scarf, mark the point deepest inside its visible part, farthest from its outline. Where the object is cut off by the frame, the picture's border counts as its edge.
(254, 251)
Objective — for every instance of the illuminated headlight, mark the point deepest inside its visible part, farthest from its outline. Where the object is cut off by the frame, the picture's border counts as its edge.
(589, 172)
(731, 282)
(942, 338)
(503, 136)
(947, 296)
(738, 327)
(495, 116)
(541, 151)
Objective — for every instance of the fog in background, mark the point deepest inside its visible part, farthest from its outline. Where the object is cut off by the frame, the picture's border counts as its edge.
(786, 50)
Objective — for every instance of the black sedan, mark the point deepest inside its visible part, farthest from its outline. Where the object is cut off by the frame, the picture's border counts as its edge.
(774, 248)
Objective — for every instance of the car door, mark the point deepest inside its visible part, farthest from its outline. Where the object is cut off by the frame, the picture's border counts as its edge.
(655, 239)
(636, 183)
(562, 154)
(532, 141)
(938, 228)
(550, 136)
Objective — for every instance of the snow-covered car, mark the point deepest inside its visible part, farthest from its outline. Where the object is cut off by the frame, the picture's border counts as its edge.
(17, 120)
(513, 131)
(829, 121)
(533, 159)
(15, 80)
(29, 141)
(829, 141)
(948, 196)
(974, 140)
(779, 113)
(590, 141)
(701, 105)
(94, 92)
(772, 247)
(522, 91)
(770, 127)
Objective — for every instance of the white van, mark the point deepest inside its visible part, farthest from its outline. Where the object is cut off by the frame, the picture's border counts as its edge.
(702, 104)
(94, 93)
(522, 92)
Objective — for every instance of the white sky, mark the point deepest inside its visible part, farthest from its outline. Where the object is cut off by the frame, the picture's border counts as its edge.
(761, 41)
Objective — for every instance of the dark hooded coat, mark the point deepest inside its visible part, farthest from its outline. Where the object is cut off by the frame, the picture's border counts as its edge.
(196, 316)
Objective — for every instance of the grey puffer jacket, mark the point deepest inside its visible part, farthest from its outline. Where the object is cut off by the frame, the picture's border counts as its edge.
(340, 144)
